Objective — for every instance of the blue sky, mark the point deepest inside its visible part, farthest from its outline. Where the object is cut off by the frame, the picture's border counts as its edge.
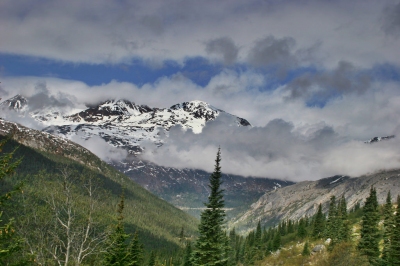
(310, 63)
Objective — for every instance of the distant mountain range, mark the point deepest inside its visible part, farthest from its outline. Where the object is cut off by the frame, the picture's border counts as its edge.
(122, 123)
(126, 125)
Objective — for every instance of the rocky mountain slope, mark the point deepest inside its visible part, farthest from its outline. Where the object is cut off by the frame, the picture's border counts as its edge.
(302, 199)
(126, 125)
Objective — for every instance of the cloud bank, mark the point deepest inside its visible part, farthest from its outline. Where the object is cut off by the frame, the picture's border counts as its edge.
(276, 150)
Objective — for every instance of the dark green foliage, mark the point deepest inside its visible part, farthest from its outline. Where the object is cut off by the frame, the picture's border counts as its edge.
(394, 254)
(301, 230)
(306, 250)
(369, 240)
(210, 248)
(276, 243)
(135, 252)
(117, 253)
(10, 243)
(388, 225)
(187, 261)
(318, 223)
(332, 222)
(152, 259)
(343, 234)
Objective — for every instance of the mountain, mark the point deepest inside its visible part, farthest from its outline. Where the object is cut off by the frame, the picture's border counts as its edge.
(17, 103)
(45, 156)
(124, 124)
(302, 199)
(188, 188)
(377, 139)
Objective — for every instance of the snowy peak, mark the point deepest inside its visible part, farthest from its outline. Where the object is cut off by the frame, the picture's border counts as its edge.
(17, 103)
(377, 139)
(124, 124)
(197, 109)
(109, 111)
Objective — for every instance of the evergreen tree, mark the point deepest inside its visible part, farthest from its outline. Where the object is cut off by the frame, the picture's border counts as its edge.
(290, 227)
(258, 234)
(211, 244)
(135, 255)
(187, 260)
(182, 235)
(319, 223)
(331, 223)
(369, 240)
(343, 233)
(276, 242)
(301, 230)
(394, 254)
(152, 259)
(388, 225)
(306, 249)
(116, 253)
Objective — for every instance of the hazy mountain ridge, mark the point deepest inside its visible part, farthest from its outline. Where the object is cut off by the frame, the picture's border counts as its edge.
(302, 199)
(188, 188)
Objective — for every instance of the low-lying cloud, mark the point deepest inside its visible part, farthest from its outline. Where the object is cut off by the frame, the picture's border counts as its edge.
(101, 148)
(276, 150)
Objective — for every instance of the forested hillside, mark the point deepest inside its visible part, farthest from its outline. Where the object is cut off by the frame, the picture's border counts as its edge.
(64, 202)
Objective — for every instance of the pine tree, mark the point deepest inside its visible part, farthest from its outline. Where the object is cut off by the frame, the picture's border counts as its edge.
(306, 249)
(117, 253)
(331, 223)
(343, 233)
(319, 223)
(301, 230)
(368, 244)
(394, 254)
(276, 242)
(135, 255)
(152, 259)
(187, 260)
(388, 225)
(211, 244)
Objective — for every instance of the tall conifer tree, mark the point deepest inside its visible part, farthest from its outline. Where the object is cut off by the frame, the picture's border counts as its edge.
(369, 241)
(117, 253)
(319, 223)
(388, 225)
(210, 248)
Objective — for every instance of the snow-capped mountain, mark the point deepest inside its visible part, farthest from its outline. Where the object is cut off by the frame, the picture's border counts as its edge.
(124, 124)
(17, 103)
(377, 139)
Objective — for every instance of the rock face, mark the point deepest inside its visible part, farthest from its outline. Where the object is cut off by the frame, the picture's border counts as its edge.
(302, 199)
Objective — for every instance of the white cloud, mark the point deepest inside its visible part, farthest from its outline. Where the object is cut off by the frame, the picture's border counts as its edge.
(307, 143)
(101, 148)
